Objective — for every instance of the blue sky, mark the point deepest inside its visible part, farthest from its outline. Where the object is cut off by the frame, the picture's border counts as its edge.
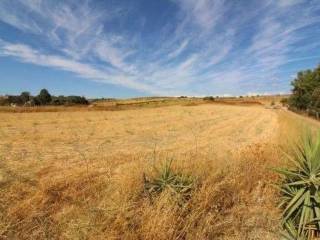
(125, 48)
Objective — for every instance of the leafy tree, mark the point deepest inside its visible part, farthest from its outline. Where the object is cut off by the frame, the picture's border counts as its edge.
(44, 97)
(315, 98)
(304, 93)
(25, 97)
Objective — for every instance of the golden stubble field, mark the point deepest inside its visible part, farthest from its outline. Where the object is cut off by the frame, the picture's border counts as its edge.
(52, 136)
(34, 140)
(78, 175)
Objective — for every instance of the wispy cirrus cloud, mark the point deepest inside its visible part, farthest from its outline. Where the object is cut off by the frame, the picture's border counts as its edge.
(26, 54)
(210, 47)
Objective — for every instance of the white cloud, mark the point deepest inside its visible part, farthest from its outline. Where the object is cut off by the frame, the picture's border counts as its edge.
(26, 54)
(11, 15)
(179, 50)
(288, 3)
(206, 13)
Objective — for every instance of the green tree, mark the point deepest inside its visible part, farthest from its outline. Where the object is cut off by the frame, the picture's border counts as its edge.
(304, 85)
(44, 97)
(25, 97)
(315, 98)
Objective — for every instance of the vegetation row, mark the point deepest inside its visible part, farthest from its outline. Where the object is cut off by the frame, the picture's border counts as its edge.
(42, 99)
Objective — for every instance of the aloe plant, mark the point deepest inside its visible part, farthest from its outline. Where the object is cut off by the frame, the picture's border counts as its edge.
(300, 193)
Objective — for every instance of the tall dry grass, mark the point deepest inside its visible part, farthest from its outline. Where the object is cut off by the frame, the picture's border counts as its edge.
(232, 195)
(228, 201)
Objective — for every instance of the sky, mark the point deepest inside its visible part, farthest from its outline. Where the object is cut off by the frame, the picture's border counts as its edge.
(127, 48)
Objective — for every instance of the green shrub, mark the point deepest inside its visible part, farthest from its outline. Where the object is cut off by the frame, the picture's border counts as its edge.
(209, 98)
(166, 179)
(300, 193)
(25, 97)
(69, 100)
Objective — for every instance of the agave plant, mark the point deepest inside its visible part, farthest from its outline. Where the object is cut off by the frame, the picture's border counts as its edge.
(167, 179)
(300, 193)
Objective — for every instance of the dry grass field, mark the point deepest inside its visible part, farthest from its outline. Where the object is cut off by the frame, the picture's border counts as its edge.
(80, 174)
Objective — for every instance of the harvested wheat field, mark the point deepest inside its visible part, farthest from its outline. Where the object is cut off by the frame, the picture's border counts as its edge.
(51, 137)
(87, 174)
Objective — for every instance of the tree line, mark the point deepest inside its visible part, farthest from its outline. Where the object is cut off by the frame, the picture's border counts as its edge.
(306, 91)
(42, 99)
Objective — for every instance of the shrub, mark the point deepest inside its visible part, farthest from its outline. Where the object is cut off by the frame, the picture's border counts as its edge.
(60, 100)
(44, 97)
(300, 193)
(209, 98)
(35, 101)
(25, 97)
(284, 101)
(166, 179)
(76, 100)
(4, 101)
(69, 100)
(15, 100)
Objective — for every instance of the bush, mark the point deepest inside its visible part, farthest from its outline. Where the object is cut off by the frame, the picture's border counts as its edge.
(14, 100)
(35, 101)
(284, 101)
(3, 101)
(300, 193)
(69, 100)
(209, 98)
(76, 100)
(25, 97)
(60, 100)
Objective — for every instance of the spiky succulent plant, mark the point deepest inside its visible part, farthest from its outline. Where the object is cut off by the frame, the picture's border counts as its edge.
(167, 179)
(300, 193)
